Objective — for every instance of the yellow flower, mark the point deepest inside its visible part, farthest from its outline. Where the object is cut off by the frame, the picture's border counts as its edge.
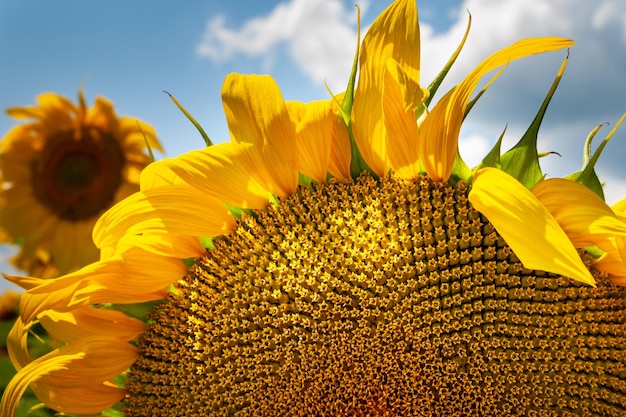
(338, 258)
(60, 170)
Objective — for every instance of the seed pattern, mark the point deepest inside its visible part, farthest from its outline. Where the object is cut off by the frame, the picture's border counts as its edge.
(378, 298)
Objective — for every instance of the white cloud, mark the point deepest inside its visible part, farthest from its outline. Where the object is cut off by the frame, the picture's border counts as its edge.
(473, 148)
(597, 27)
(320, 37)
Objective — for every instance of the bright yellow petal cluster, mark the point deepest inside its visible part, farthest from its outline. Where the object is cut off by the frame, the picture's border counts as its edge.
(186, 201)
(60, 170)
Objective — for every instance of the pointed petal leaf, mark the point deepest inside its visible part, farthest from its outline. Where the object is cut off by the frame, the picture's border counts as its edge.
(393, 35)
(257, 115)
(314, 125)
(579, 211)
(522, 161)
(526, 225)
(443, 124)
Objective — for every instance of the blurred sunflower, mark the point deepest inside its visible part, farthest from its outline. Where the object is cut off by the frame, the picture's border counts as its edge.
(338, 258)
(60, 170)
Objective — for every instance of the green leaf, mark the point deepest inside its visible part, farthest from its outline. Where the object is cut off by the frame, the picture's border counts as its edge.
(434, 85)
(482, 91)
(588, 176)
(207, 242)
(137, 310)
(357, 163)
(460, 170)
(590, 180)
(522, 161)
(206, 138)
(145, 139)
(492, 159)
(31, 406)
(304, 180)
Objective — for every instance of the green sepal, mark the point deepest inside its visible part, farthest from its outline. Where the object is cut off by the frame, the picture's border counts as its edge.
(492, 159)
(206, 138)
(114, 412)
(207, 242)
(145, 139)
(594, 252)
(434, 85)
(522, 161)
(31, 406)
(304, 180)
(137, 310)
(482, 91)
(357, 163)
(188, 262)
(460, 170)
(237, 212)
(274, 200)
(588, 176)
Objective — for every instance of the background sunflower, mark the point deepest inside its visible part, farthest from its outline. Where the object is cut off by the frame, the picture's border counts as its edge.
(60, 169)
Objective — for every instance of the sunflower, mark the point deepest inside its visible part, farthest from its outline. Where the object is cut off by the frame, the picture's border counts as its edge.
(338, 258)
(60, 170)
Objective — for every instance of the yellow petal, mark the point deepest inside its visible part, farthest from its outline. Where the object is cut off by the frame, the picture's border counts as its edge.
(257, 115)
(526, 225)
(402, 135)
(17, 344)
(134, 275)
(217, 170)
(340, 148)
(579, 211)
(442, 126)
(314, 126)
(619, 208)
(84, 363)
(393, 35)
(27, 375)
(89, 400)
(89, 321)
(194, 214)
(94, 359)
(612, 262)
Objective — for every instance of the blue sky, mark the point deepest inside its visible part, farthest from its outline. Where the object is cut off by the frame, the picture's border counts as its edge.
(131, 51)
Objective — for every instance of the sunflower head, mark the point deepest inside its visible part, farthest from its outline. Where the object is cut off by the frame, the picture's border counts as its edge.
(338, 258)
(61, 168)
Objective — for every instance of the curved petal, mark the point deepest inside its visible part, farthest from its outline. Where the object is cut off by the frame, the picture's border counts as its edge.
(194, 213)
(24, 377)
(217, 170)
(134, 275)
(578, 210)
(17, 344)
(443, 124)
(257, 115)
(526, 225)
(393, 35)
(340, 148)
(613, 262)
(89, 400)
(89, 321)
(402, 138)
(86, 362)
(619, 208)
(314, 126)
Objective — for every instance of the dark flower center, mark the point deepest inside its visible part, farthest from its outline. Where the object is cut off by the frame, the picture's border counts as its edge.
(76, 176)
(378, 298)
